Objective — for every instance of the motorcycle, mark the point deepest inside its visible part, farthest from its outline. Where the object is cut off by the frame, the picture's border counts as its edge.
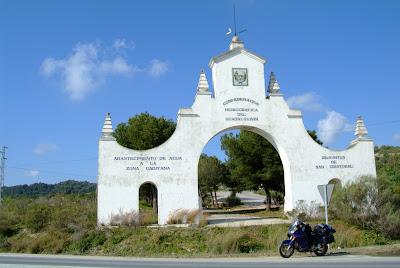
(303, 239)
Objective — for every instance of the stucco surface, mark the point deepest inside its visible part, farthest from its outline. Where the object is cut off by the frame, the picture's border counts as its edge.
(172, 166)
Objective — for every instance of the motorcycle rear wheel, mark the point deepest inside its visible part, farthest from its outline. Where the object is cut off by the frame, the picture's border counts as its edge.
(285, 251)
(321, 249)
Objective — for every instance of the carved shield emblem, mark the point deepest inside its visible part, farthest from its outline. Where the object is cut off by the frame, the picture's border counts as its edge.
(240, 77)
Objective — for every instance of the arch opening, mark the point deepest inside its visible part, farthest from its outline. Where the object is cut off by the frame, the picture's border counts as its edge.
(248, 162)
(148, 203)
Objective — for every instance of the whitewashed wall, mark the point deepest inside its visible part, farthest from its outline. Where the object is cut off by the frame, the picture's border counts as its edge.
(172, 166)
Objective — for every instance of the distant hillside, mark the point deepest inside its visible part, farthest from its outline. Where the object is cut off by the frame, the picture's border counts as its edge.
(40, 189)
(389, 150)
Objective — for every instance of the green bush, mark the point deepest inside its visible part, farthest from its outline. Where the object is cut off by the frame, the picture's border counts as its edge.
(52, 242)
(232, 201)
(4, 244)
(6, 225)
(248, 244)
(355, 202)
(369, 203)
(119, 234)
(88, 241)
(37, 217)
(277, 197)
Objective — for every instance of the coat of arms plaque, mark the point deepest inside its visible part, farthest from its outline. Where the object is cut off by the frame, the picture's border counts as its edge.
(240, 77)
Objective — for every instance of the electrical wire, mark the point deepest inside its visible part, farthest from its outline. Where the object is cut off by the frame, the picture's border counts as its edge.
(59, 162)
(51, 172)
(384, 123)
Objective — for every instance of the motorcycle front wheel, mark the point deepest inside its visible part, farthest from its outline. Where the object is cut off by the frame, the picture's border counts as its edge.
(321, 249)
(286, 250)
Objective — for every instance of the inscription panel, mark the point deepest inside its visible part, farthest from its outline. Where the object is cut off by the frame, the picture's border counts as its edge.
(240, 113)
(333, 162)
(148, 163)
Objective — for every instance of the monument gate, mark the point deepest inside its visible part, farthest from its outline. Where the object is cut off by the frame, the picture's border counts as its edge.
(239, 101)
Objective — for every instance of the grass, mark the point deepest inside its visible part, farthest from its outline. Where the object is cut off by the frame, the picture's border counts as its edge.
(269, 214)
(148, 215)
(67, 225)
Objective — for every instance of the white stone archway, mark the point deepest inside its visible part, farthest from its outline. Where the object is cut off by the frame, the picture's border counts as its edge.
(239, 101)
(270, 139)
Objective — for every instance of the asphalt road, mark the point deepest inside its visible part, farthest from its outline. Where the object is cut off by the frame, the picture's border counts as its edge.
(33, 261)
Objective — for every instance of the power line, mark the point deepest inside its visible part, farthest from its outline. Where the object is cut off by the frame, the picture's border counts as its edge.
(2, 166)
(52, 172)
(384, 123)
(59, 162)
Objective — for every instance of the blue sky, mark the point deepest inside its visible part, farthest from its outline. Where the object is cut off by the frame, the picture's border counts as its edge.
(64, 64)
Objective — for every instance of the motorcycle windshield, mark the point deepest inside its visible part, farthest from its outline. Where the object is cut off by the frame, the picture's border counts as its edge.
(293, 227)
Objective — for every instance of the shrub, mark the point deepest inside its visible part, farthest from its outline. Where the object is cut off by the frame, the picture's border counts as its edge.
(37, 217)
(6, 225)
(4, 245)
(119, 234)
(389, 207)
(52, 242)
(306, 211)
(232, 201)
(356, 202)
(277, 197)
(89, 241)
(248, 244)
(369, 203)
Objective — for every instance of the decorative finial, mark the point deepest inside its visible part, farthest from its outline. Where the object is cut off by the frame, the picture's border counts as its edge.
(273, 86)
(203, 83)
(107, 131)
(360, 130)
(235, 42)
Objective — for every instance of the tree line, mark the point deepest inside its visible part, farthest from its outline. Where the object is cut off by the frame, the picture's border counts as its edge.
(41, 189)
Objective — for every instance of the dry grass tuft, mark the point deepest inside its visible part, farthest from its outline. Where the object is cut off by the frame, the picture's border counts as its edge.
(130, 218)
(186, 216)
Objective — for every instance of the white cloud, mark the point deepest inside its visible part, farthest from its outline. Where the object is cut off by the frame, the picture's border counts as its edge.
(120, 44)
(308, 101)
(86, 68)
(45, 147)
(49, 66)
(117, 66)
(33, 173)
(330, 127)
(158, 68)
(396, 137)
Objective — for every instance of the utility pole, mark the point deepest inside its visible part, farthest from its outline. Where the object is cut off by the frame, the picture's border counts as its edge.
(2, 167)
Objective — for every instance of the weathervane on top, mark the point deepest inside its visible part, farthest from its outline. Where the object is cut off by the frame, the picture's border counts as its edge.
(236, 33)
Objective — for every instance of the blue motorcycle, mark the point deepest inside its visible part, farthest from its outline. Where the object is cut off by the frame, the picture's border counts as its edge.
(303, 239)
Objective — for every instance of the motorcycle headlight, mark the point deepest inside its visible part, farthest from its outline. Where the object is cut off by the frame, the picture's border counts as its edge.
(293, 230)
